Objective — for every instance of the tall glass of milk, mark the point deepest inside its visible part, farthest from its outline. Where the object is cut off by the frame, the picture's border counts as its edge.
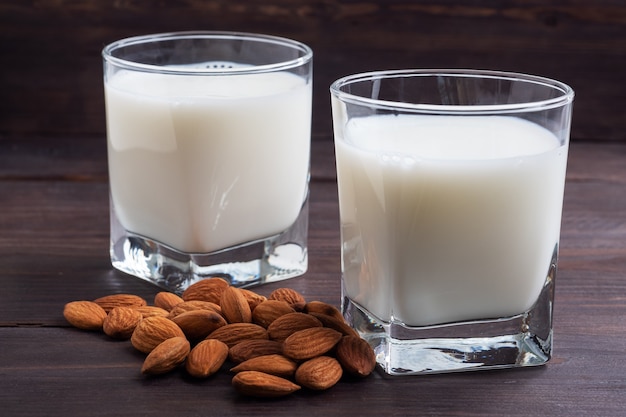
(450, 190)
(208, 148)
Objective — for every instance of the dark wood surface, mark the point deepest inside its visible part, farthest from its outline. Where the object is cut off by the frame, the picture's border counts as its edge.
(51, 72)
(54, 249)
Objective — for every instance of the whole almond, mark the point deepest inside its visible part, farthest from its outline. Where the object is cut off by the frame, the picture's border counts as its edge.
(198, 324)
(194, 305)
(289, 295)
(109, 302)
(166, 356)
(149, 311)
(251, 348)
(319, 373)
(259, 384)
(284, 326)
(208, 289)
(356, 356)
(235, 307)
(233, 333)
(275, 364)
(268, 311)
(152, 331)
(323, 308)
(120, 323)
(167, 300)
(311, 342)
(253, 298)
(85, 315)
(206, 358)
(333, 322)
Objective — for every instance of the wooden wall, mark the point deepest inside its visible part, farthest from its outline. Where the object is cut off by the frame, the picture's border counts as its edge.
(51, 70)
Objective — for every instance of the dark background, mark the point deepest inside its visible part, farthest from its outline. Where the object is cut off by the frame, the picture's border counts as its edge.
(51, 70)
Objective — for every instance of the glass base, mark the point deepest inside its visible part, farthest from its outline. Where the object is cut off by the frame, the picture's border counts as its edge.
(521, 340)
(272, 259)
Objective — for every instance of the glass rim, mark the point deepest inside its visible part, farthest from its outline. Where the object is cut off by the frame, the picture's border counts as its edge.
(307, 52)
(566, 96)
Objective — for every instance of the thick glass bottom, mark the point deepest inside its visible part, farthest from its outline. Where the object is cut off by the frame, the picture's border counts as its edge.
(520, 340)
(272, 259)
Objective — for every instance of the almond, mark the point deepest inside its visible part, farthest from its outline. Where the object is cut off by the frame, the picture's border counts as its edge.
(235, 307)
(233, 333)
(109, 302)
(208, 289)
(275, 364)
(253, 298)
(85, 315)
(149, 311)
(206, 358)
(120, 323)
(356, 356)
(166, 356)
(289, 295)
(311, 342)
(335, 323)
(319, 373)
(252, 348)
(323, 308)
(259, 384)
(194, 305)
(198, 324)
(268, 311)
(151, 331)
(284, 326)
(167, 300)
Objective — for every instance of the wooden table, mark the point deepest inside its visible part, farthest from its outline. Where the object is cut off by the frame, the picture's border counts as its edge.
(54, 248)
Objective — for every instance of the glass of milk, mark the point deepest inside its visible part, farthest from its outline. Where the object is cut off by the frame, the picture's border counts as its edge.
(208, 149)
(450, 195)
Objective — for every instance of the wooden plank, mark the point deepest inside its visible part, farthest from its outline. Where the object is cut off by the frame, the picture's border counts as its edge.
(52, 75)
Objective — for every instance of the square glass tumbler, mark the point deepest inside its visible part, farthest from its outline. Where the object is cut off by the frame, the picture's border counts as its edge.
(450, 194)
(208, 148)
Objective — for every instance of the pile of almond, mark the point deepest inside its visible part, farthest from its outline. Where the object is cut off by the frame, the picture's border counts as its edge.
(276, 344)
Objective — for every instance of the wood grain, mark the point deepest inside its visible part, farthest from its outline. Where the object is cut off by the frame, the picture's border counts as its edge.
(51, 75)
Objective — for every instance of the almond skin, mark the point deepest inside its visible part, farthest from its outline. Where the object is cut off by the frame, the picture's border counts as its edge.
(290, 296)
(167, 300)
(319, 373)
(284, 326)
(311, 342)
(152, 331)
(109, 302)
(208, 289)
(278, 365)
(198, 324)
(323, 308)
(253, 298)
(268, 311)
(121, 322)
(206, 358)
(356, 356)
(335, 323)
(252, 348)
(194, 305)
(233, 333)
(166, 356)
(85, 315)
(259, 384)
(235, 307)
(149, 311)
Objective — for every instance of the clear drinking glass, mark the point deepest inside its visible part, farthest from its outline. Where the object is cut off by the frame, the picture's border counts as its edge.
(208, 151)
(450, 193)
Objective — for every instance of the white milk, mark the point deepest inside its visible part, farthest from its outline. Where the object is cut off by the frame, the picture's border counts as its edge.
(447, 219)
(202, 163)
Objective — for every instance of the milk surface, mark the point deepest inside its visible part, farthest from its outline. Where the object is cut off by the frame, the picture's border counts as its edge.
(447, 219)
(202, 163)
